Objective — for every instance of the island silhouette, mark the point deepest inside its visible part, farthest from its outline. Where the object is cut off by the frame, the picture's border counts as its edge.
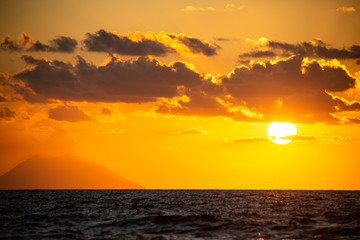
(65, 172)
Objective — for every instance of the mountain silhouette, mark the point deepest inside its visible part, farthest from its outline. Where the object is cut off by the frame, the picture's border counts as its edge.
(66, 172)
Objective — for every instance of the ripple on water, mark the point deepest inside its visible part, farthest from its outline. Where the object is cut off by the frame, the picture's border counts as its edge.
(180, 214)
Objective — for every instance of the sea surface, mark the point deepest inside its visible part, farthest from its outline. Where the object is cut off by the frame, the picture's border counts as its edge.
(179, 214)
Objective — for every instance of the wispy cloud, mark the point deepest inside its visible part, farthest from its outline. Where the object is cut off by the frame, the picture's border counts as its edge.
(193, 130)
(299, 138)
(345, 9)
(232, 7)
(190, 8)
(228, 7)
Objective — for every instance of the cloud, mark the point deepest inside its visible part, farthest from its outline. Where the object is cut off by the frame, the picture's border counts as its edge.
(195, 45)
(136, 44)
(140, 44)
(133, 44)
(232, 7)
(193, 130)
(299, 137)
(315, 48)
(228, 7)
(346, 119)
(265, 139)
(345, 9)
(142, 80)
(190, 8)
(299, 85)
(223, 39)
(6, 114)
(339, 139)
(293, 89)
(25, 43)
(258, 54)
(333, 138)
(105, 111)
(68, 113)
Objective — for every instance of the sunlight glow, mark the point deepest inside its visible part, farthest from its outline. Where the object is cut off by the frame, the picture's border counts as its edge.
(277, 131)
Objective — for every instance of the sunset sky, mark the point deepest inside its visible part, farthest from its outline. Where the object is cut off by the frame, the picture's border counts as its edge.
(179, 94)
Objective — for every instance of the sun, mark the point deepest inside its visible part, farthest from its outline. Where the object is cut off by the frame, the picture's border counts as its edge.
(278, 131)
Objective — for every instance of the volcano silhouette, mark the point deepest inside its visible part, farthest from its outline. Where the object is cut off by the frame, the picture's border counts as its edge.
(66, 172)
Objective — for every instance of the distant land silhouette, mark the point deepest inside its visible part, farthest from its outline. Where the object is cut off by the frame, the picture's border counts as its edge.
(66, 172)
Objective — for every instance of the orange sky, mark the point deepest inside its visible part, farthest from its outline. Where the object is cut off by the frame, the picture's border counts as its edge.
(180, 94)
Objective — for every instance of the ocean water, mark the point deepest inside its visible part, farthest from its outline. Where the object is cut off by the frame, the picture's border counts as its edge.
(179, 214)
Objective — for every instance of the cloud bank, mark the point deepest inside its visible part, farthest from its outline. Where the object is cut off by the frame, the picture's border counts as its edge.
(287, 89)
(294, 88)
(142, 80)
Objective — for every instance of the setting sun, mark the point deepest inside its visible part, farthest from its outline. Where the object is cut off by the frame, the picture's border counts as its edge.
(279, 131)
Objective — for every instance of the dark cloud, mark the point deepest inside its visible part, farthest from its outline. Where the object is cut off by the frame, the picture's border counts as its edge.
(133, 44)
(354, 120)
(9, 44)
(140, 44)
(290, 89)
(25, 43)
(201, 101)
(258, 54)
(142, 80)
(2, 99)
(196, 45)
(344, 105)
(223, 39)
(68, 113)
(6, 114)
(105, 41)
(28, 94)
(64, 44)
(293, 89)
(315, 48)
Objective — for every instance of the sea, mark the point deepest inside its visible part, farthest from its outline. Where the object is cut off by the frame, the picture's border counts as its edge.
(179, 214)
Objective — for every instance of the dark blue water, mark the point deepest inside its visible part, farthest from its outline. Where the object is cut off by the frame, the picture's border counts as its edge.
(179, 214)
